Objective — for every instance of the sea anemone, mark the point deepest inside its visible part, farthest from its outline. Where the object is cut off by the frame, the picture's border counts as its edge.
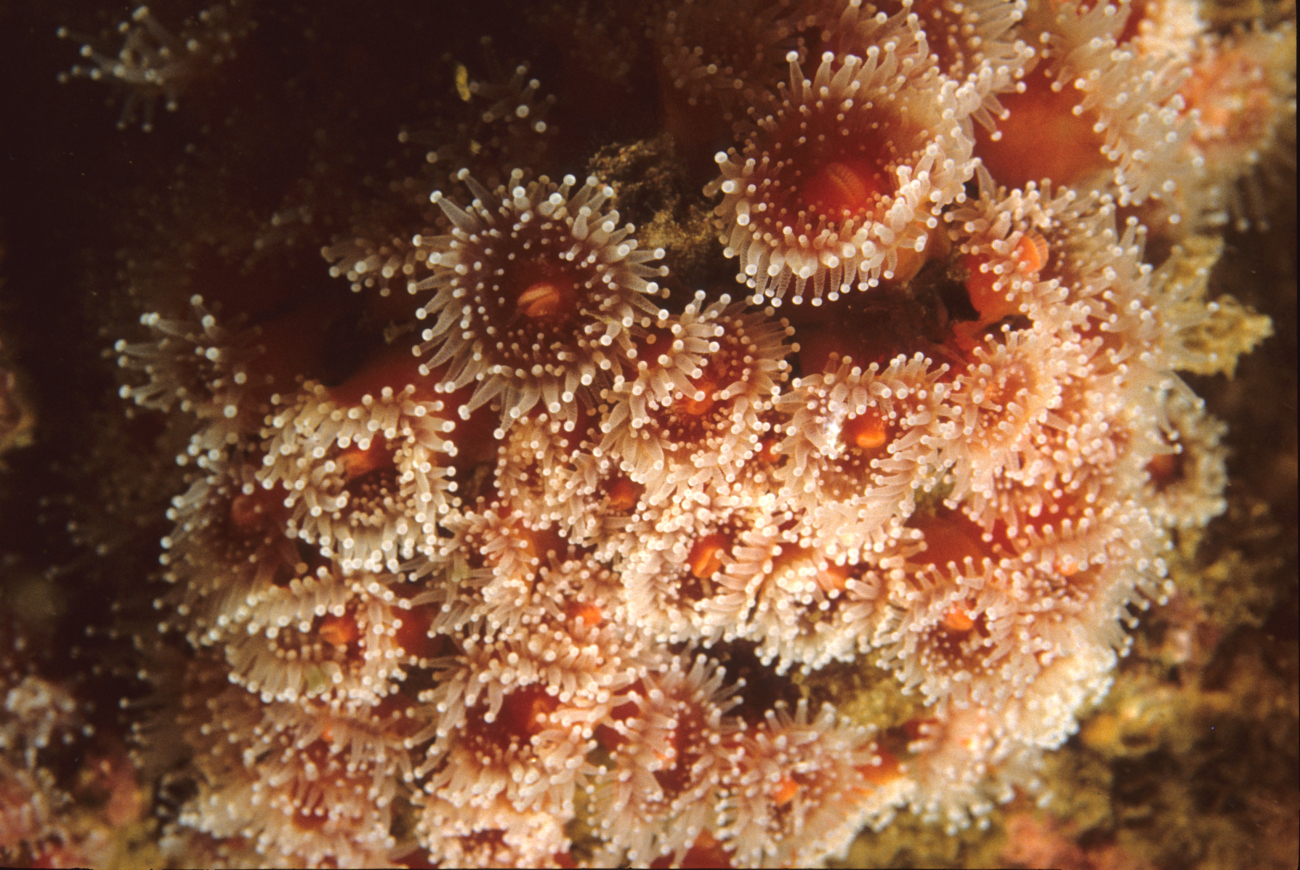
(558, 628)
(950, 624)
(1002, 242)
(537, 293)
(367, 480)
(1110, 110)
(558, 474)
(967, 760)
(802, 788)
(691, 576)
(298, 789)
(1004, 405)
(1241, 99)
(323, 637)
(155, 64)
(529, 755)
(844, 173)
(486, 563)
(488, 588)
(669, 741)
(227, 546)
(796, 599)
(974, 43)
(860, 442)
(701, 434)
(201, 367)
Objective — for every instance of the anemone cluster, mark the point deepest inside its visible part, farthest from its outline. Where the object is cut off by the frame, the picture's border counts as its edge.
(572, 565)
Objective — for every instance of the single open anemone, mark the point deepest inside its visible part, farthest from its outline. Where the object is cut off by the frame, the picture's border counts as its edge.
(559, 476)
(199, 366)
(796, 598)
(1241, 99)
(977, 615)
(300, 788)
(719, 54)
(860, 442)
(1004, 404)
(538, 295)
(966, 760)
(801, 788)
(485, 571)
(325, 638)
(224, 520)
(524, 751)
(845, 174)
(669, 741)
(692, 576)
(1186, 472)
(366, 479)
(1111, 110)
(704, 432)
(951, 626)
(973, 42)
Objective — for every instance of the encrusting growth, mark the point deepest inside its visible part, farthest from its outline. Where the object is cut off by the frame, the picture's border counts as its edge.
(576, 560)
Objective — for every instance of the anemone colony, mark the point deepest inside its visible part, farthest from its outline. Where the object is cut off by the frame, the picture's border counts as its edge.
(570, 564)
